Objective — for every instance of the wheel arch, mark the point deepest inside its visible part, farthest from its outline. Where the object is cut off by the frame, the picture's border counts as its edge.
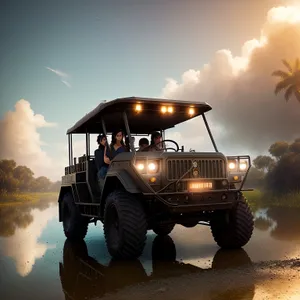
(118, 180)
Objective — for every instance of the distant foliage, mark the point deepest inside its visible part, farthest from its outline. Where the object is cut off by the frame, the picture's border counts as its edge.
(289, 80)
(278, 149)
(280, 172)
(15, 178)
(264, 163)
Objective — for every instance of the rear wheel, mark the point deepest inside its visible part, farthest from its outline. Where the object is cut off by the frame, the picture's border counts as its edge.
(233, 229)
(75, 226)
(125, 225)
(163, 230)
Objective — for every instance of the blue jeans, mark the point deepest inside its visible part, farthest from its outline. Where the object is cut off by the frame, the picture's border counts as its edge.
(102, 172)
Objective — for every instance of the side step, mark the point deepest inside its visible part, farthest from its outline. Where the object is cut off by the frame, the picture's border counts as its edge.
(91, 210)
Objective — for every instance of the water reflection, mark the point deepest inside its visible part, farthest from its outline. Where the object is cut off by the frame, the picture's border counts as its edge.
(20, 228)
(12, 218)
(282, 222)
(19, 216)
(288, 223)
(83, 277)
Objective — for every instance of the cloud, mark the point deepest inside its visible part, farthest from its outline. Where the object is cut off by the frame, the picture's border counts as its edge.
(79, 146)
(63, 76)
(24, 246)
(66, 83)
(247, 117)
(20, 140)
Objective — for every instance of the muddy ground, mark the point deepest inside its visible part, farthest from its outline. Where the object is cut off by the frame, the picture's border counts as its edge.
(266, 280)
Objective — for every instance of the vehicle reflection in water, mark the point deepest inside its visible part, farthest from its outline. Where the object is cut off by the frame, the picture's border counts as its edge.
(27, 231)
(83, 277)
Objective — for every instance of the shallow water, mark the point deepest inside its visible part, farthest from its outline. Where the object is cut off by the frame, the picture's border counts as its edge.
(36, 262)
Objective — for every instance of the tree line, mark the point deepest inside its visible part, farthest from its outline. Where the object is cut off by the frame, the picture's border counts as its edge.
(15, 178)
(278, 172)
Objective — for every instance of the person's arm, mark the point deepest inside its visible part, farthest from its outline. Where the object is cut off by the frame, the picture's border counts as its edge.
(106, 158)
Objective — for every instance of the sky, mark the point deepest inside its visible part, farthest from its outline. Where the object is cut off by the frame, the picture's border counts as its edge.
(60, 59)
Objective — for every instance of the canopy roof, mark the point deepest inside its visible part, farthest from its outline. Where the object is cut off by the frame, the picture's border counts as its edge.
(148, 119)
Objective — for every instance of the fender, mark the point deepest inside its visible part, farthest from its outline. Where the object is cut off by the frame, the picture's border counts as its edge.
(124, 180)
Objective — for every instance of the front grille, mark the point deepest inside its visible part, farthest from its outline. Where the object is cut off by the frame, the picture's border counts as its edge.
(207, 168)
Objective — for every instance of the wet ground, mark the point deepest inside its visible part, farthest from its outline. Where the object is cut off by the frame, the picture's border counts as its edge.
(37, 263)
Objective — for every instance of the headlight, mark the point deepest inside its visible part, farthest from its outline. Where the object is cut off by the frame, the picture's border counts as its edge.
(235, 166)
(152, 167)
(243, 166)
(140, 166)
(232, 165)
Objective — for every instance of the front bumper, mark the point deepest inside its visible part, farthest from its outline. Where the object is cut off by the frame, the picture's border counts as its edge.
(184, 202)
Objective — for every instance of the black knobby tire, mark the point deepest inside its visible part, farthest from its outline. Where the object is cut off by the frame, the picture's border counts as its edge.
(233, 230)
(125, 225)
(75, 225)
(163, 230)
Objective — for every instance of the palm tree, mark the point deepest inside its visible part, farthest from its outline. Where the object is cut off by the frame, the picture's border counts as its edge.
(290, 81)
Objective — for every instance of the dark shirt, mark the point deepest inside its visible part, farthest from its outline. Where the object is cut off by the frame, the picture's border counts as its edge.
(112, 153)
(99, 158)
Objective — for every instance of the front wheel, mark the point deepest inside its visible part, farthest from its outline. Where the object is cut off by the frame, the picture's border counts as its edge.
(233, 229)
(125, 225)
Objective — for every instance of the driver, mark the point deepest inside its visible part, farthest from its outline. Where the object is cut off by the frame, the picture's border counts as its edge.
(143, 144)
(156, 142)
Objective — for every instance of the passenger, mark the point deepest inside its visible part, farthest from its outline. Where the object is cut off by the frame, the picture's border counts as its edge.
(156, 140)
(99, 157)
(143, 143)
(117, 146)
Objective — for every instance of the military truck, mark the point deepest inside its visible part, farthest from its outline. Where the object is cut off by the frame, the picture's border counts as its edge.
(153, 190)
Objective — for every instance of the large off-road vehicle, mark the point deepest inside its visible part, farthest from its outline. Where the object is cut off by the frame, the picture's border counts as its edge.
(153, 190)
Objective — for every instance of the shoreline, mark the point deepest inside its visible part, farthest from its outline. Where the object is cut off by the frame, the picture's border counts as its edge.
(256, 199)
(259, 200)
(14, 199)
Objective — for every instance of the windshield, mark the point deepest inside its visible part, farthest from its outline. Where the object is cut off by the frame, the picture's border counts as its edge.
(192, 135)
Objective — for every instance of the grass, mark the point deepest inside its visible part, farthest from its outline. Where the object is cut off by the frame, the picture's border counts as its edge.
(254, 199)
(9, 199)
(258, 199)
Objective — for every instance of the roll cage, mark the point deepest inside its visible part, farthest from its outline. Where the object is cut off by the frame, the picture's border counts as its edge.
(134, 114)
